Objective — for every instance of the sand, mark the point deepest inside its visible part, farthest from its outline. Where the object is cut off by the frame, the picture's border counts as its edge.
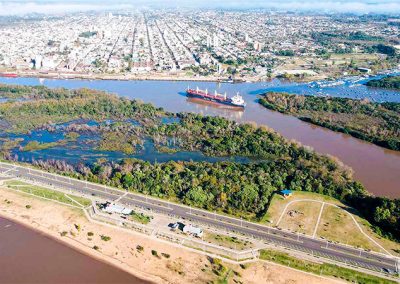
(182, 266)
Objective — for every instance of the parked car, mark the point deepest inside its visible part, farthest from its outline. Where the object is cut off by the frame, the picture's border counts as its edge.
(174, 226)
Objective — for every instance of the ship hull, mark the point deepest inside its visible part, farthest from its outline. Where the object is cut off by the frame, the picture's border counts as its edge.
(8, 75)
(213, 100)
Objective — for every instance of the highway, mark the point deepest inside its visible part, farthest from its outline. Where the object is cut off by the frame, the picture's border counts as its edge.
(298, 242)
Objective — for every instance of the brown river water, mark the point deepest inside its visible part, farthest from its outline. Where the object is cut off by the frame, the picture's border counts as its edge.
(378, 169)
(27, 256)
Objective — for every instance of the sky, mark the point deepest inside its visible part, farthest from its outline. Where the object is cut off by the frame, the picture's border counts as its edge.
(22, 7)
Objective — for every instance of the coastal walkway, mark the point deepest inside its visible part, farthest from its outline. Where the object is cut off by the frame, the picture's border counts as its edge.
(339, 253)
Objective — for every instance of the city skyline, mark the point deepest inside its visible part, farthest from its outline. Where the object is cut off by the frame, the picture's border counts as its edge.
(18, 7)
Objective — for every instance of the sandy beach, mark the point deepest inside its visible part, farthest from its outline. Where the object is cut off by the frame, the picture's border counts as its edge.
(171, 265)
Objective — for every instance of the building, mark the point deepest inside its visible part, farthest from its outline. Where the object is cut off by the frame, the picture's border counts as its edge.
(113, 208)
(195, 231)
(364, 70)
(215, 40)
(286, 193)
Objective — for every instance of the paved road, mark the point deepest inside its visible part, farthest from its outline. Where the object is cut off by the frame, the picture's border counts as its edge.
(286, 239)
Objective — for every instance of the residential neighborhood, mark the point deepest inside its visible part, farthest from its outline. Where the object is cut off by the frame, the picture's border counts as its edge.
(207, 43)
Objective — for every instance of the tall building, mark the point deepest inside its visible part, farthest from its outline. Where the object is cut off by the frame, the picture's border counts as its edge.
(208, 41)
(215, 40)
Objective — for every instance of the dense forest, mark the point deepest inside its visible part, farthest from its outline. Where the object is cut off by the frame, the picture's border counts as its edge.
(48, 106)
(240, 189)
(390, 82)
(378, 123)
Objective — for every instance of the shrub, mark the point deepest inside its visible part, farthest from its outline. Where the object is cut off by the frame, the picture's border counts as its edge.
(216, 261)
(63, 233)
(154, 253)
(139, 248)
(166, 255)
(105, 238)
(96, 248)
(244, 266)
(90, 234)
(28, 206)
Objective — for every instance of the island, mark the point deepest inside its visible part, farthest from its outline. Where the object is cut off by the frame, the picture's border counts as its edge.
(378, 123)
(390, 82)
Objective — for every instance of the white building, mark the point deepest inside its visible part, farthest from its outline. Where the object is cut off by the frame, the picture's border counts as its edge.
(196, 231)
(113, 208)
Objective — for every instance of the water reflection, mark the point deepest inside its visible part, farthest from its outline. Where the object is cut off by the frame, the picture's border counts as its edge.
(377, 168)
(85, 147)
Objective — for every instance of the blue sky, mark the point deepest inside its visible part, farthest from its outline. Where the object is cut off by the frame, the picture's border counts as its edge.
(20, 7)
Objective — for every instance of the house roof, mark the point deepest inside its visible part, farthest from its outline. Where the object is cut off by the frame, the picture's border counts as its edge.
(193, 229)
(286, 191)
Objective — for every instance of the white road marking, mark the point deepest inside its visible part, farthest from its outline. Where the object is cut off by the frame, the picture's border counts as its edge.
(318, 220)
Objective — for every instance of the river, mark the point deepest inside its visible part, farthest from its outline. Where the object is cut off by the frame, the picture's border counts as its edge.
(27, 256)
(377, 168)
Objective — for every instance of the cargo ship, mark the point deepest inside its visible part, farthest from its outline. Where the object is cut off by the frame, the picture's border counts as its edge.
(235, 101)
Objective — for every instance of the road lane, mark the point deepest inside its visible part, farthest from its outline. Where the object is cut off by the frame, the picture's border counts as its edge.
(287, 239)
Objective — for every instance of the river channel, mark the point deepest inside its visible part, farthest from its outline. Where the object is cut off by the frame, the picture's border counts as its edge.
(27, 256)
(377, 168)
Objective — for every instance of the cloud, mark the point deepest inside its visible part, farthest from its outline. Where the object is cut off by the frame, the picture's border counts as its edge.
(20, 7)
(338, 6)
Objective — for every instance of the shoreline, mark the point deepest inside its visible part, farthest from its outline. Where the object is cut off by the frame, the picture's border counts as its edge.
(78, 247)
(124, 77)
(154, 77)
(181, 265)
(173, 78)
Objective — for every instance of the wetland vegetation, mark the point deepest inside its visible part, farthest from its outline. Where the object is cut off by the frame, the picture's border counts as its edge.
(390, 82)
(237, 188)
(378, 123)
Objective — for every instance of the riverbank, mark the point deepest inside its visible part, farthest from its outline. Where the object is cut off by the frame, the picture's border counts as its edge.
(128, 77)
(378, 123)
(181, 266)
(159, 77)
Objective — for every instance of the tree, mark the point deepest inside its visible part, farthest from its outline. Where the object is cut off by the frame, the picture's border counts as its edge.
(381, 214)
(127, 180)
(197, 195)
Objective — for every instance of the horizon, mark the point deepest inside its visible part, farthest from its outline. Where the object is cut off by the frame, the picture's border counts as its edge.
(56, 7)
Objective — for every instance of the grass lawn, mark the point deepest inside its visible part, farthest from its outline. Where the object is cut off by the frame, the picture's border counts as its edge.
(15, 182)
(337, 225)
(354, 56)
(139, 217)
(84, 201)
(231, 242)
(301, 216)
(278, 203)
(47, 193)
(321, 268)
(390, 246)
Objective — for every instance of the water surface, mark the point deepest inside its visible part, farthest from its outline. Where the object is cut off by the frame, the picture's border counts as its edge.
(377, 168)
(27, 256)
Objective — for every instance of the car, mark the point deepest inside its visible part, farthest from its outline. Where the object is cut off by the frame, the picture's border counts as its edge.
(387, 270)
(174, 226)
